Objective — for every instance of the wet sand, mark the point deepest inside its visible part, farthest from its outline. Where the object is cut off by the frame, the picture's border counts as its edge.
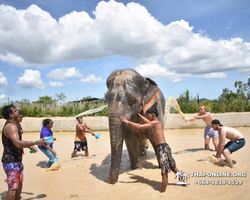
(86, 178)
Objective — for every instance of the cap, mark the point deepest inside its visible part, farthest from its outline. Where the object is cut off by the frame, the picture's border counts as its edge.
(153, 110)
(216, 121)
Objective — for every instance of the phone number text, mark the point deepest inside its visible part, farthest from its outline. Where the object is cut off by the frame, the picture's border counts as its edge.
(218, 182)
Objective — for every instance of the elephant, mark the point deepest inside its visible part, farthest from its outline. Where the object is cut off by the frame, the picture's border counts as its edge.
(129, 92)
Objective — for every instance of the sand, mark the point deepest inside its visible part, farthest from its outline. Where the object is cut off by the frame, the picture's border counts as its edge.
(86, 178)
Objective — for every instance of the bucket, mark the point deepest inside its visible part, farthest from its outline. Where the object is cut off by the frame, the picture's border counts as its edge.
(97, 135)
(48, 139)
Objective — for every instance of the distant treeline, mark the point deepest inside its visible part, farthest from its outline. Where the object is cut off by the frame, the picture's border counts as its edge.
(59, 109)
(228, 101)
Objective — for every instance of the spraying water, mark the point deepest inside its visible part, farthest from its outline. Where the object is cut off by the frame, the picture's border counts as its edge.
(170, 104)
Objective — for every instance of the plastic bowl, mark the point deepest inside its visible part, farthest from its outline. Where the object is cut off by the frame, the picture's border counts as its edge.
(48, 139)
(97, 135)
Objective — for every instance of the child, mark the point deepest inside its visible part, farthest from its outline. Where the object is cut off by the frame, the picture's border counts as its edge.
(80, 138)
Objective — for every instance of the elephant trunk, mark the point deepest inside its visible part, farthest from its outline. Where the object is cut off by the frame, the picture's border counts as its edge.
(116, 142)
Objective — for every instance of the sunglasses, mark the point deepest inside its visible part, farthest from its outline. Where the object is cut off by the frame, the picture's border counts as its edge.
(213, 124)
(51, 122)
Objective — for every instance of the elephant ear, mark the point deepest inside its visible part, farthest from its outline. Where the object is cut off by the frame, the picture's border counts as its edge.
(152, 95)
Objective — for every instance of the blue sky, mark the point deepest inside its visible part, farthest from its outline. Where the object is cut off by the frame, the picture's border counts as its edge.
(49, 47)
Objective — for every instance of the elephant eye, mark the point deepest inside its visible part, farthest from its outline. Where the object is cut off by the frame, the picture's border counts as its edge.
(131, 101)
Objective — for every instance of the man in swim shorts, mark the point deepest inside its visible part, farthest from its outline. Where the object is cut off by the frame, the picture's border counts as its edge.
(237, 141)
(167, 162)
(209, 132)
(12, 151)
(81, 143)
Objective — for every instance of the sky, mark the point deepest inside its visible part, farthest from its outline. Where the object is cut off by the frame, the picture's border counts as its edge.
(48, 47)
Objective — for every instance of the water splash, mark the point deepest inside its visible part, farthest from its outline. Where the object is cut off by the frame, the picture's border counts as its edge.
(171, 106)
(167, 117)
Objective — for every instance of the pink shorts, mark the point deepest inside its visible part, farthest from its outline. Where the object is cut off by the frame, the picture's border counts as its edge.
(14, 172)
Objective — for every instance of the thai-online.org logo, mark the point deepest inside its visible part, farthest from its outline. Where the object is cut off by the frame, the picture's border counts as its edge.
(182, 177)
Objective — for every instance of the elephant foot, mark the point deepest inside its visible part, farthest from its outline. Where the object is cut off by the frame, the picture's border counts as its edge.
(112, 180)
(138, 165)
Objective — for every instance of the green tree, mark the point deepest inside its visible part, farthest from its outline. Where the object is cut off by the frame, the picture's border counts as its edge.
(25, 101)
(45, 99)
(227, 95)
(60, 97)
(87, 97)
(86, 106)
(187, 103)
(243, 89)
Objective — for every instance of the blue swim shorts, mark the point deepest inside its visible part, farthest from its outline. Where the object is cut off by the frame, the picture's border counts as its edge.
(235, 145)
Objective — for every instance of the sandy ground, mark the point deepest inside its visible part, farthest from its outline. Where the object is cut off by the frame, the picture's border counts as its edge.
(86, 178)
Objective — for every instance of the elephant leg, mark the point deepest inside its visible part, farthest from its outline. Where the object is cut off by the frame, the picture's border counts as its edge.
(143, 146)
(132, 144)
(152, 141)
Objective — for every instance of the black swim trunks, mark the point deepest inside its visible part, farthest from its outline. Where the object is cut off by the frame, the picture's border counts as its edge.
(81, 146)
(167, 162)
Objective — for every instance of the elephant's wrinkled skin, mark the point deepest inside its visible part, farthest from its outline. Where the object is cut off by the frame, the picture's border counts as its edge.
(127, 92)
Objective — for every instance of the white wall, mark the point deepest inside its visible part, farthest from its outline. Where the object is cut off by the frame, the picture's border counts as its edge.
(174, 121)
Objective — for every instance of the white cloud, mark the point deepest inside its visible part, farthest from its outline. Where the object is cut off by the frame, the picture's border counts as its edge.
(177, 80)
(63, 73)
(128, 31)
(12, 59)
(91, 78)
(55, 84)
(2, 96)
(214, 75)
(157, 71)
(30, 79)
(3, 80)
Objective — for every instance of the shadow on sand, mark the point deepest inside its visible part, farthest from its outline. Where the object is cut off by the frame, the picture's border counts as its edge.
(42, 164)
(40, 196)
(79, 155)
(154, 184)
(192, 150)
(101, 171)
(218, 164)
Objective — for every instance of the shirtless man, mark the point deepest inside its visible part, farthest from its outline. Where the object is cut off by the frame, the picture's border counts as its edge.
(209, 132)
(167, 162)
(80, 138)
(237, 141)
